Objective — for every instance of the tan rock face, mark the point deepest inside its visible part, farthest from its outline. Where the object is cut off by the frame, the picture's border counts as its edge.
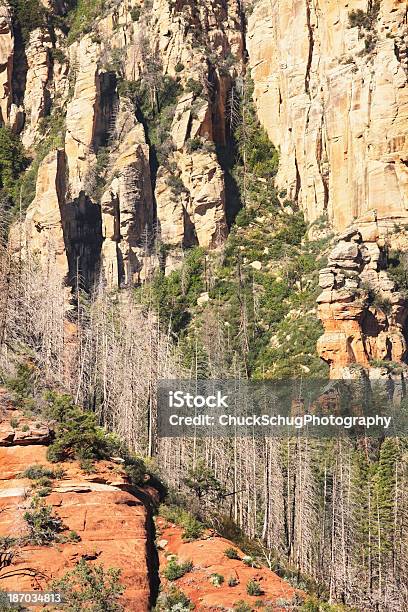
(107, 217)
(127, 212)
(204, 179)
(41, 232)
(37, 98)
(363, 315)
(337, 113)
(80, 119)
(172, 213)
(6, 61)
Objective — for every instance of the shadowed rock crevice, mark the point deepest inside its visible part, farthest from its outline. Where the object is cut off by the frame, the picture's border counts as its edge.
(82, 227)
(106, 110)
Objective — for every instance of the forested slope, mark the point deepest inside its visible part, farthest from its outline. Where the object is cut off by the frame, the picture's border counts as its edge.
(174, 176)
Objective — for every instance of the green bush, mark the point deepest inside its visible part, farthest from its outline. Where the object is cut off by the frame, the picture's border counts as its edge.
(173, 295)
(359, 18)
(43, 481)
(397, 270)
(216, 579)
(7, 542)
(176, 184)
(173, 600)
(242, 606)
(90, 587)
(179, 67)
(249, 561)
(22, 384)
(194, 144)
(231, 553)
(313, 604)
(364, 19)
(245, 217)
(72, 536)
(12, 163)
(195, 87)
(192, 528)
(37, 472)
(135, 13)
(382, 303)
(43, 525)
(82, 18)
(77, 435)
(87, 466)
(254, 588)
(30, 15)
(175, 570)
(136, 470)
(58, 55)
(232, 581)
(43, 491)
(201, 480)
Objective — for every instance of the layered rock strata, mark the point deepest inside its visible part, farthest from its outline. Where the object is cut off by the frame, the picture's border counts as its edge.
(333, 95)
(363, 314)
(121, 195)
(112, 520)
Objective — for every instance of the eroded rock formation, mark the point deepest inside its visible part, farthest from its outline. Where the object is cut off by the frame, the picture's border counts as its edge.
(111, 519)
(334, 99)
(6, 61)
(208, 554)
(363, 314)
(118, 198)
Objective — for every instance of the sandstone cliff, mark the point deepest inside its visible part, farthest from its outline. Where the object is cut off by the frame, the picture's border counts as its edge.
(333, 96)
(123, 177)
(363, 313)
(112, 521)
(113, 527)
(125, 116)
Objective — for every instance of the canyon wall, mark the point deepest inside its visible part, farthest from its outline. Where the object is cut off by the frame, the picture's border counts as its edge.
(364, 314)
(126, 118)
(334, 99)
(117, 180)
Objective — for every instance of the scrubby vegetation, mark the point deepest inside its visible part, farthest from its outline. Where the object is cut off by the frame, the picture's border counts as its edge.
(13, 162)
(90, 587)
(253, 588)
(365, 22)
(44, 526)
(77, 433)
(22, 384)
(193, 529)
(29, 15)
(154, 98)
(175, 570)
(365, 19)
(38, 471)
(217, 580)
(173, 599)
(397, 270)
(231, 553)
(81, 18)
